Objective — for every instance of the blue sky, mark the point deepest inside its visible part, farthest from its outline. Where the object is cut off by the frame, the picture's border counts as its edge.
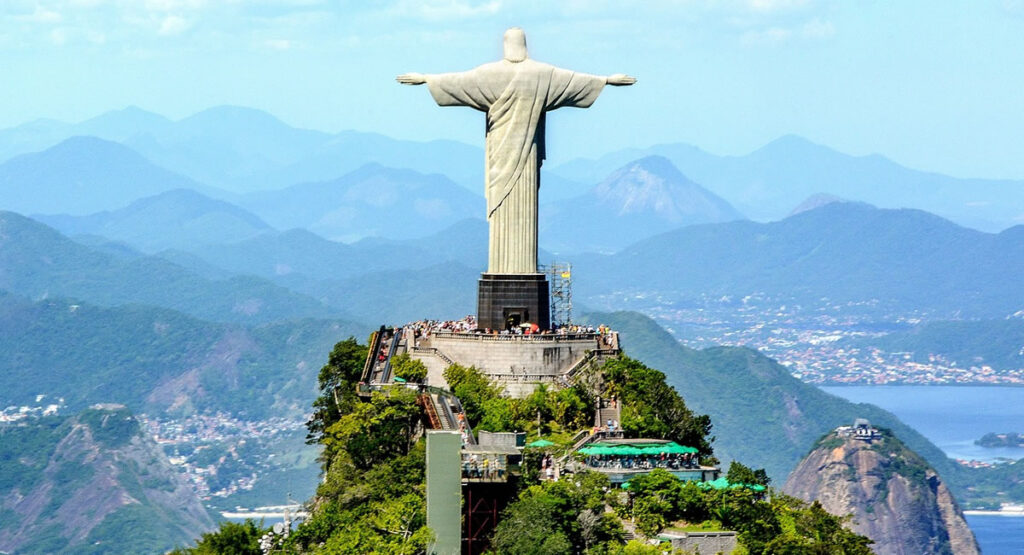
(935, 85)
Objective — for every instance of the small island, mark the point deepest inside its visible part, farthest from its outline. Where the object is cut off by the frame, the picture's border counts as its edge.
(1009, 439)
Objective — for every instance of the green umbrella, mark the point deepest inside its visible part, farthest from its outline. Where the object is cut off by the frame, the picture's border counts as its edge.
(541, 443)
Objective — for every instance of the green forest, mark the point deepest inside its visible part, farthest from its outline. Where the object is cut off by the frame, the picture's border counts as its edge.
(372, 498)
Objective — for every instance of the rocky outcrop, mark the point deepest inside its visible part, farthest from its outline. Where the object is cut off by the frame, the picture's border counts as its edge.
(893, 496)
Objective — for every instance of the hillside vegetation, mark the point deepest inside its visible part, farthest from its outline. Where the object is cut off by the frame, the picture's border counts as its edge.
(89, 484)
(38, 262)
(761, 412)
(157, 360)
(372, 498)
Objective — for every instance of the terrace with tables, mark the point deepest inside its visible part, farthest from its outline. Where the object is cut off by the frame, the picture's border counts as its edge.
(624, 459)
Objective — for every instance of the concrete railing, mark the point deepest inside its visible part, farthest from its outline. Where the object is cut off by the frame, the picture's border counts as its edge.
(434, 351)
(540, 337)
(371, 354)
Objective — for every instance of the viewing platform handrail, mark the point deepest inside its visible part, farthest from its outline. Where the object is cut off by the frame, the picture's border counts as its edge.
(371, 355)
(590, 356)
(396, 337)
(436, 352)
(580, 439)
(428, 407)
(542, 337)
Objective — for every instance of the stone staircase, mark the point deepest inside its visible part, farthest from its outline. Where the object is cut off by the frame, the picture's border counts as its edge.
(603, 415)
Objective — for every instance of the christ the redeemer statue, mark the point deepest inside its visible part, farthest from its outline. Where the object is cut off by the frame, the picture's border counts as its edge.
(515, 93)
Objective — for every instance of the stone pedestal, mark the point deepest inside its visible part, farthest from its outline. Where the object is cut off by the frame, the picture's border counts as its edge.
(507, 300)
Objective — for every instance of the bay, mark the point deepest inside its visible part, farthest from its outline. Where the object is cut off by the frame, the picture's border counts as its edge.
(952, 417)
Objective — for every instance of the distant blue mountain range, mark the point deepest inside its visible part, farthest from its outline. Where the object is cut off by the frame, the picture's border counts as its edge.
(766, 184)
(243, 150)
(842, 251)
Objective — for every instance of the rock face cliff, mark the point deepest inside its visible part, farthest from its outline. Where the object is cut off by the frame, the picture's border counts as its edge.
(91, 483)
(894, 496)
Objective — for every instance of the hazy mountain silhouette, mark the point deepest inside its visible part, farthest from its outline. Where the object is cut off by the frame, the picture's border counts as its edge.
(157, 360)
(180, 218)
(816, 200)
(371, 201)
(38, 262)
(82, 175)
(768, 182)
(243, 149)
(298, 251)
(116, 125)
(642, 198)
(228, 146)
(841, 251)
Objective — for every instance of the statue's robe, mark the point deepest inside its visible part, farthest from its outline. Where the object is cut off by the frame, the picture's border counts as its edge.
(515, 96)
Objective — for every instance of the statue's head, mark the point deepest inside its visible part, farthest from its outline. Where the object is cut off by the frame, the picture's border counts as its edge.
(515, 45)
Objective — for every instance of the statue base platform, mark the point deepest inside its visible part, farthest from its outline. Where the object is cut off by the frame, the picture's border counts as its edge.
(505, 301)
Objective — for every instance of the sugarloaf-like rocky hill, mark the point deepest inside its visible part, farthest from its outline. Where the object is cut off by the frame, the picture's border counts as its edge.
(894, 496)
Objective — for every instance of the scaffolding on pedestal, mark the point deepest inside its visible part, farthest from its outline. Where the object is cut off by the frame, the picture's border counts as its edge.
(560, 277)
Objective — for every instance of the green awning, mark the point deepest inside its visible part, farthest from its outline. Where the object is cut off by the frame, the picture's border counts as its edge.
(627, 449)
(722, 483)
(671, 448)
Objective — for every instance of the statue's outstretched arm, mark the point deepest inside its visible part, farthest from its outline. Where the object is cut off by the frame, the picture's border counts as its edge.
(411, 78)
(621, 80)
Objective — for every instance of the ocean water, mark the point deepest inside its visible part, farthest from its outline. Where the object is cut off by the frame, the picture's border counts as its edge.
(952, 417)
(998, 535)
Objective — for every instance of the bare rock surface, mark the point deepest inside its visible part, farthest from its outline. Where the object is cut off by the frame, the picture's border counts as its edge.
(893, 496)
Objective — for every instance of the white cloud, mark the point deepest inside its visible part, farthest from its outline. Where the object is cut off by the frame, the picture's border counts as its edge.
(446, 10)
(58, 36)
(278, 44)
(776, 5)
(174, 5)
(771, 35)
(818, 29)
(173, 25)
(41, 15)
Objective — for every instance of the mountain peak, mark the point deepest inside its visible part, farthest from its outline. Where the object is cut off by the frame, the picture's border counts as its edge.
(793, 146)
(654, 184)
(815, 201)
(235, 115)
(89, 144)
(656, 164)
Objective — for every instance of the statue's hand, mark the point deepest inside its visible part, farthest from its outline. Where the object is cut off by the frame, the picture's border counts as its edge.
(621, 80)
(411, 78)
